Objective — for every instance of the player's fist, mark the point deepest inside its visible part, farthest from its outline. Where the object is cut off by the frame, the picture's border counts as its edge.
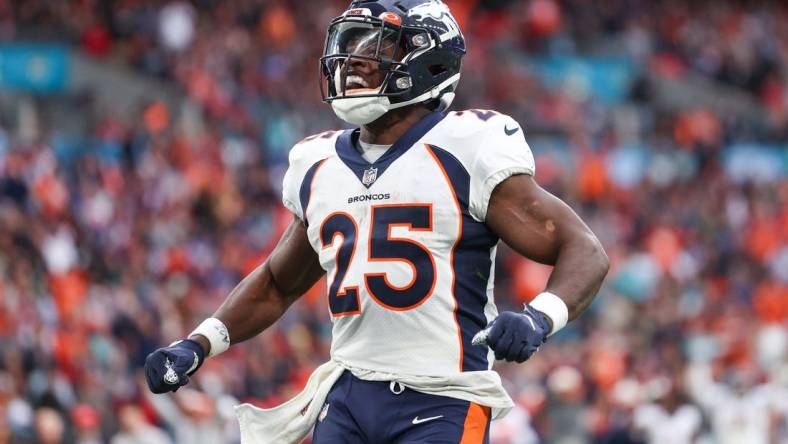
(516, 336)
(169, 368)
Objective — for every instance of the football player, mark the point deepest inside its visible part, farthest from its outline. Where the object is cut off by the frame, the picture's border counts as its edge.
(403, 214)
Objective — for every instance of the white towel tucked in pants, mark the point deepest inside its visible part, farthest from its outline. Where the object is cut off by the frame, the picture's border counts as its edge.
(290, 422)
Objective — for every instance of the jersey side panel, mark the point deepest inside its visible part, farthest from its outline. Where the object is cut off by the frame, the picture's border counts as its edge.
(471, 263)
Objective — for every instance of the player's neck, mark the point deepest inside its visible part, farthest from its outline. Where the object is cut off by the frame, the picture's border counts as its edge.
(392, 125)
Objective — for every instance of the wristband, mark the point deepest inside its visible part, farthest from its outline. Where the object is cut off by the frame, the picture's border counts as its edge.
(216, 333)
(553, 307)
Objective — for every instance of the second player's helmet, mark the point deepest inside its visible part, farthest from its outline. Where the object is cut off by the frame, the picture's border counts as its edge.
(418, 48)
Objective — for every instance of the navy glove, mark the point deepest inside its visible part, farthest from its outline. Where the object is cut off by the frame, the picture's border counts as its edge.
(515, 336)
(169, 368)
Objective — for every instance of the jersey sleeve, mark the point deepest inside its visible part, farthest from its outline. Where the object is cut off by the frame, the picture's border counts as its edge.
(303, 156)
(504, 153)
(291, 184)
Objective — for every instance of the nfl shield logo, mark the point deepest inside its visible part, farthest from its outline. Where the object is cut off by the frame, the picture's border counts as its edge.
(370, 175)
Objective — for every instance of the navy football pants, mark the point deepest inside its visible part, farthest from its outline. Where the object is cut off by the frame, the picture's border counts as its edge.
(375, 412)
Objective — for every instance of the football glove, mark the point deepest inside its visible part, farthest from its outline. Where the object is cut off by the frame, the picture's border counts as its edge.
(515, 336)
(169, 368)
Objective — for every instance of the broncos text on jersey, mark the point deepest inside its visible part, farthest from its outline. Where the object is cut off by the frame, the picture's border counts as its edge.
(409, 260)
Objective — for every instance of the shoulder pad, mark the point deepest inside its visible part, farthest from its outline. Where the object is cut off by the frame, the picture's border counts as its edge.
(302, 156)
(475, 128)
(472, 122)
(313, 148)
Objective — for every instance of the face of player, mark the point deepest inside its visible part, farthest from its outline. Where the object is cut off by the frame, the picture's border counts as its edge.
(364, 44)
(363, 73)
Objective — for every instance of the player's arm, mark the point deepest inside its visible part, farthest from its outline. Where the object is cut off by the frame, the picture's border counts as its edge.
(263, 296)
(253, 305)
(543, 228)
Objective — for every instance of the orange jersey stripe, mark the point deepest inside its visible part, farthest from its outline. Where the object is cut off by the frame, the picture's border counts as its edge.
(475, 424)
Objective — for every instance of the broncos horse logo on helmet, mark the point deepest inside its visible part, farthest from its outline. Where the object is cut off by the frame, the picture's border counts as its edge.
(418, 48)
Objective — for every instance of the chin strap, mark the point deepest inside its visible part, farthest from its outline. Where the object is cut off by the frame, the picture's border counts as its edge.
(363, 110)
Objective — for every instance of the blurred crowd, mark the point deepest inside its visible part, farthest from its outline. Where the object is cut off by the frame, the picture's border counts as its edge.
(123, 242)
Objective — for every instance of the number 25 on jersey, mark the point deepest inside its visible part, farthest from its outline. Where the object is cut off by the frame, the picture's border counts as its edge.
(343, 299)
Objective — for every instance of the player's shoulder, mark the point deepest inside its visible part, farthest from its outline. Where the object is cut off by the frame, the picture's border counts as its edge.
(480, 123)
(490, 146)
(303, 156)
(313, 149)
(467, 133)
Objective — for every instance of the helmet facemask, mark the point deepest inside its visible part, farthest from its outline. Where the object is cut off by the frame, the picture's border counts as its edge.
(368, 40)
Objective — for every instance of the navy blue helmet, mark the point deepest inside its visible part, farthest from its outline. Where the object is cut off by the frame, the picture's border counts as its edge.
(417, 45)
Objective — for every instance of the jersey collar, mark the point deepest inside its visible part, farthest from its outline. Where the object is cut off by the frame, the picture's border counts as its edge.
(347, 152)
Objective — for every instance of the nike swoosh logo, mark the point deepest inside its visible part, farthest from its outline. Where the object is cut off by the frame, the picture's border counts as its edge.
(418, 420)
(510, 132)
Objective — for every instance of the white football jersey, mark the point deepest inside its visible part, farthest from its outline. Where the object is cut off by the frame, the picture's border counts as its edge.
(409, 259)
